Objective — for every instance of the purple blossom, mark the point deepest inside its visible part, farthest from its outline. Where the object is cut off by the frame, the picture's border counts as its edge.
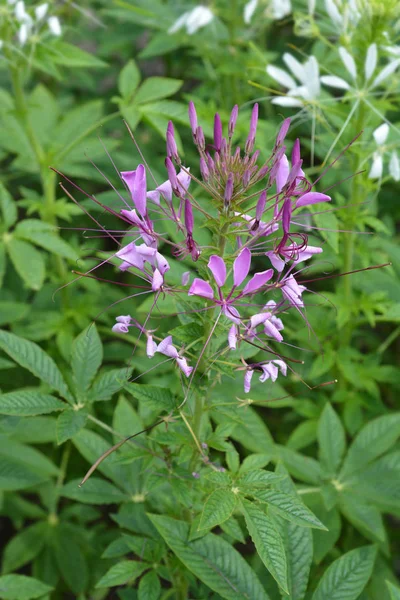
(269, 370)
(165, 190)
(138, 257)
(241, 267)
(168, 349)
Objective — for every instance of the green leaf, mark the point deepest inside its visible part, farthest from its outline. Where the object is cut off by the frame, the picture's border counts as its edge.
(302, 467)
(331, 439)
(10, 312)
(323, 541)
(329, 226)
(20, 587)
(155, 88)
(254, 461)
(27, 403)
(28, 456)
(364, 517)
(259, 478)
(94, 491)
(373, 440)
(153, 397)
(73, 56)
(87, 354)
(298, 543)
(14, 475)
(123, 572)
(28, 262)
(3, 263)
(347, 576)
(213, 560)
(24, 547)
(289, 507)
(149, 587)
(394, 591)
(46, 236)
(107, 383)
(8, 208)
(267, 541)
(69, 423)
(70, 558)
(232, 528)
(30, 356)
(128, 80)
(218, 508)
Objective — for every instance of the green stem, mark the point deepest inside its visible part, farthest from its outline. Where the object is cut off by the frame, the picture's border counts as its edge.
(60, 480)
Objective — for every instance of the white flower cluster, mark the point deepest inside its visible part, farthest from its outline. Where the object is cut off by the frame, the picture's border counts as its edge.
(30, 24)
(380, 136)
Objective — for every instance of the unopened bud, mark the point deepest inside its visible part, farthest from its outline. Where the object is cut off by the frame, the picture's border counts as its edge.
(261, 205)
(282, 132)
(193, 119)
(189, 221)
(171, 174)
(205, 173)
(228, 190)
(217, 132)
(200, 139)
(253, 129)
(232, 120)
(296, 152)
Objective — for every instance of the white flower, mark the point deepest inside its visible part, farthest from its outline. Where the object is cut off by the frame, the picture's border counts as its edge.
(20, 13)
(370, 67)
(54, 25)
(23, 33)
(1, 44)
(249, 10)
(344, 14)
(380, 135)
(278, 9)
(308, 76)
(281, 8)
(40, 11)
(193, 20)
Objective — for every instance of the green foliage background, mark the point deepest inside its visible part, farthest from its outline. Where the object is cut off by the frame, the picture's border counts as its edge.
(309, 503)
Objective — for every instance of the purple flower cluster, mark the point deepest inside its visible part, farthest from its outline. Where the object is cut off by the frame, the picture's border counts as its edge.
(254, 216)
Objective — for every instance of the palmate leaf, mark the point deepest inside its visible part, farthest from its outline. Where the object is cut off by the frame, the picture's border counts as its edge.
(347, 576)
(30, 356)
(268, 542)
(46, 236)
(153, 397)
(70, 558)
(302, 467)
(218, 508)
(364, 517)
(69, 423)
(213, 560)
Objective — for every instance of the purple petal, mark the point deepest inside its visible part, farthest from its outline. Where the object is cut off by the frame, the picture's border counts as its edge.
(312, 198)
(272, 331)
(162, 263)
(184, 367)
(129, 254)
(136, 182)
(126, 319)
(201, 288)
(218, 269)
(132, 217)
(286, 215)
(277, 262)
(231, 313)
(167, 348)
(261, 205)
(157, 281)
(241, 266)
(120, 328)
(185, 278)
(247, 380)
(232, 120)
(282, 366)
(258, 281)
(232, 337)
(189, 221)
(282, 173)
(184, 180)
(217, 132)
(151, 347)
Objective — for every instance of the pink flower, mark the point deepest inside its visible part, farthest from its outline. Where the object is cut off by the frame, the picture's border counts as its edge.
(269, 370)
(168, 349)
(165, 189)
(138, 256)
(292, 252)
(241, 267)
(292, 291)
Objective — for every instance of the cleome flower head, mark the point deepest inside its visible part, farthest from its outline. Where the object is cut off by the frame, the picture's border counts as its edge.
(257, 244)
